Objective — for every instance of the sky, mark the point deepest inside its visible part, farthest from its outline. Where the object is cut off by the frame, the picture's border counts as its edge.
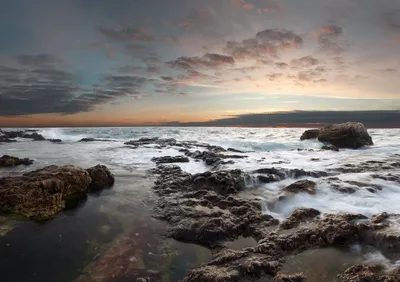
(138, 62)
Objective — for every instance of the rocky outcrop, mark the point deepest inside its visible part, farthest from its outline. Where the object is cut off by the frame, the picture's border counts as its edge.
(310, 134)
(6, 161)
(22, 134)
(170, 159)
(369, 273)
(330, 148)
(351, 135)
(43, 193)
(4, 139)
(299, 216)
(301, 186)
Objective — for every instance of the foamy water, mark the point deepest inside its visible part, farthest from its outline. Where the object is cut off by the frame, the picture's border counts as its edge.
(267, 147)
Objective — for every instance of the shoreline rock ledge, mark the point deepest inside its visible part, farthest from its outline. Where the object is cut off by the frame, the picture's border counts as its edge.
(43, 193)
(352, 135)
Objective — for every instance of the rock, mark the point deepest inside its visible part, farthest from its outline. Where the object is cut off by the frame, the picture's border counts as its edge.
(310, 134)
(235, 150)
(369, 273)
(42, 194)
(14, 161)
(283, 173)
(299, 216)
(330, 148)
(55, 140)
(95, 140)
(101, 177)
(298, 277)
(302, 186)
(230, 265)
(156, 141)
(4, 139)
(346, 135)
(35, 136)
(169, 159)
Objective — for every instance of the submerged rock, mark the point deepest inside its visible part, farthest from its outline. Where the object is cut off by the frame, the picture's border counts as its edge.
(351, 135)
(4, 139)
(330, 148)
(310, 134)
(8, 135)
(170, 159)
(7, 160)
(43, 193)
(302, 186)
(55, 140)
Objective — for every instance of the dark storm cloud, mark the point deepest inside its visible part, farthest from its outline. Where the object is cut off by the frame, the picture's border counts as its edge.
(207, 61)
(39, 87)
(267, 43)
(305, 119)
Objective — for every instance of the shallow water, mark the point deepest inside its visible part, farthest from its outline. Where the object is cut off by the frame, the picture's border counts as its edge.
(71, 245)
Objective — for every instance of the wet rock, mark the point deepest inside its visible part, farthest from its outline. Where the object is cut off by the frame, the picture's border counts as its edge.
(101, 177)
(55, 140)
(43, 193)
(94, 140)
(298, 277)
(22, 134)
(155, 140)
(230, 265)
(267, 178)
(170, 159)
(351, 135)
(368, 273)
(282, 173)
(204, 209)
(299, 216)
(310, 134)
(6, 161)
(235, 150)
(35, 136)
(343, 186)
(302, 186)
(330, 148)
(4, 139)
(211, 157)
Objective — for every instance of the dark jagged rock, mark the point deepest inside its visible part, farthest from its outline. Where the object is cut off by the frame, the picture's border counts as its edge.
(4, 139)
(330, 148)
(210, 157)
(301, 186)
(101, 177)
(351, 135)
(95, 140)
(55, 140)
(204, 209)
(22, 134)
(368, 273)
(155, 140)
(299, 216)
(369, 166)
(6, 160)
(170, 159)
(235, 150)
(310, 134)
(231, 265)
(343, 186)
(283, 173)
(43, 193)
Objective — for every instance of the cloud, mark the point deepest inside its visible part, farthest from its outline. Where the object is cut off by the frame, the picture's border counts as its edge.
(327, 39)
(332, 30)
(209, 60)
(303, 62)
(266, 43)
(274, 76)
(37, 86)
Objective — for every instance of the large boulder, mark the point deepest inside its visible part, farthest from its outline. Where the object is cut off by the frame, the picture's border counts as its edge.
(301, 186)
(101, 177)
(351, 135)
(42, 194)
(310, 134)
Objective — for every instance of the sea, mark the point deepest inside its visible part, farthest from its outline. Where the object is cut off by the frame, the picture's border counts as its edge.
(113, 236)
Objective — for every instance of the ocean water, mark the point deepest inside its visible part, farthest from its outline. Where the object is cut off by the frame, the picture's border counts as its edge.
(71, 243)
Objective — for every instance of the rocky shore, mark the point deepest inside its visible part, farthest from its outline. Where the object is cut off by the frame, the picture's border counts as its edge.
(212, 209)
